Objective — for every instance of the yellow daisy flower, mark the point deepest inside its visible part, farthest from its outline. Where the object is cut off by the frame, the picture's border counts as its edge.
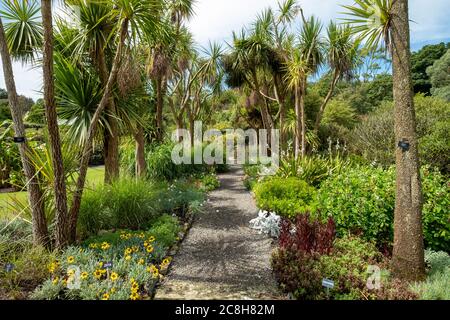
(114, 276)
(84, 275)
(128, 251)
(134, 296)
(141, 261)
(128, 258)
(152, 239)
(150, 249)
(105, 246)
(70, 259)
(55, 281)
(98, 274)
(105, 296)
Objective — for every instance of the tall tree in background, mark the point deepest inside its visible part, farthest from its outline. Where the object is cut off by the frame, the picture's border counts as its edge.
(388, 21)
(22, 44)
(61, 232)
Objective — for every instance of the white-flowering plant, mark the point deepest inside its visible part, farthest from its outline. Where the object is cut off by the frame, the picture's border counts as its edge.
(267, 223)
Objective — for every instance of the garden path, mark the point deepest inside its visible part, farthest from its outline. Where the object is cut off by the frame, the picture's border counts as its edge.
(221, 257)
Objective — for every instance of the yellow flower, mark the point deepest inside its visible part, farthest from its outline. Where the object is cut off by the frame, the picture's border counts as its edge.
(103, 271)
(141, 261)
(113, 290)
(81, 250)
(152, 269)
(105, 246)
(93, 246)
(128, 258)
(84, 275)
(166, 261)
(55, 281)
(98, 274)
(114, 276)
(134, 296)
(70, 259)
(70, 272)
(128, 251)
(152, 239)
(105, 296)
(135, 249)
(100, 264)
(134, 286)
(141, 235)
(52, 267)
(150, 249)
(64, 283)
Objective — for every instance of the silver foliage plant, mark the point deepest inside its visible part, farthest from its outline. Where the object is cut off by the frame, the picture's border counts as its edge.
(267, 223)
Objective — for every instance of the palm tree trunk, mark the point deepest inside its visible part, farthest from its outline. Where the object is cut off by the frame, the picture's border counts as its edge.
(298, 122)
(141, 166)
(111, 135)
(303, 118)
(325, 102)
(159, 108)
(87, 150)
(61, 232)
(35, 196)
(408, 253)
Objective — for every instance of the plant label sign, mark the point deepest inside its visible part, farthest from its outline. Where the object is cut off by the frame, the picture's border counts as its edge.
(19, 139)
(9, 267)
(327, 283)
(108, 265)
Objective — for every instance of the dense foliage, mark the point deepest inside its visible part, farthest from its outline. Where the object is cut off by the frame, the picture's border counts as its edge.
(362, 201)
(286, 197)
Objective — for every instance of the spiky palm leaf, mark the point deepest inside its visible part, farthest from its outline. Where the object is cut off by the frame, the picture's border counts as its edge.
(372, 21)
(23, 28)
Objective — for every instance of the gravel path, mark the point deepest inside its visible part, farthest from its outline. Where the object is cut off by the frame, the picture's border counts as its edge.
(222, 258)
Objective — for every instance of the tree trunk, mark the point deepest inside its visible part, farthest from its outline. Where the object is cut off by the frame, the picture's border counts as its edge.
(111, 134)
(298, 123)
(87, 150)
(61, 232)
(111, 146)
(325, 102)
(408, 253)
(159, 109)
(35, 196)
(303, 118)
(141, 167)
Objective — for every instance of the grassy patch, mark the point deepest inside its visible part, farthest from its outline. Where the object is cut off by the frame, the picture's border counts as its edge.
(95, 176)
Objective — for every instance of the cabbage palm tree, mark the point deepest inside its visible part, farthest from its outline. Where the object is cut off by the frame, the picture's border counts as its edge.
(22, 15)
(134, 20)
(305, 61)
(387, 21)
(341, 56)
(92, 40)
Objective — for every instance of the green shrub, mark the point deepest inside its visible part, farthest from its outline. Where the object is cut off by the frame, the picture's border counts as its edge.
(437, 285)
(374, 137)
(165, 229)
(286, 197)
(362, 201)
(209, 182)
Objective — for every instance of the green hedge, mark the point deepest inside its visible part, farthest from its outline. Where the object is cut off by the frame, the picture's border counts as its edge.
(285, 196)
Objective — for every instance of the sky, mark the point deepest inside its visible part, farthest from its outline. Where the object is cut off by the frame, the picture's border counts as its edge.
(216, 19)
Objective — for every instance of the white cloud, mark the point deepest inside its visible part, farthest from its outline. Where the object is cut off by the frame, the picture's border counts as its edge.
(216, 19)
